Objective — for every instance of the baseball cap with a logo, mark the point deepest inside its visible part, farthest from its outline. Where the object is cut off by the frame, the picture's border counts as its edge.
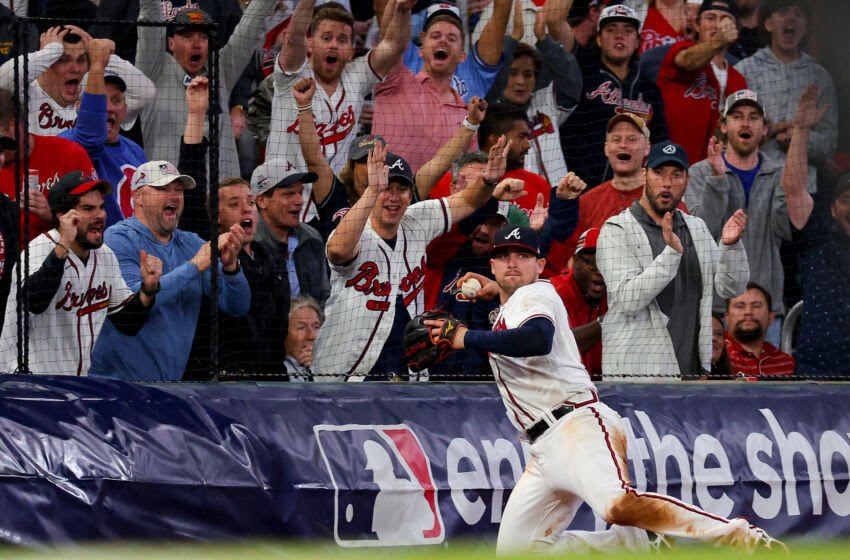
(361, 147)
(618, 12)
(399, 169)
(185, 19)
(74, 184)
(516, 237)
(744, 97)
(667, 153)
(588, 239)
(630, 118)
(278, 172)
(442, 9)
(158, 174)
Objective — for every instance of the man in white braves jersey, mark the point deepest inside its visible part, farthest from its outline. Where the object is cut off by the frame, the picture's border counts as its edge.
(342, 83)
(74, 284)
(377, 258)
(578, 444)
(56, 74)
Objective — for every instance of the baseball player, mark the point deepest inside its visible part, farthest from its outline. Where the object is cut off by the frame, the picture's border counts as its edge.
(74, 284)
(578, 444)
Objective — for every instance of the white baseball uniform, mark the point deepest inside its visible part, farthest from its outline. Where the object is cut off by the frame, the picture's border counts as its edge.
(336, 116)
(581, 457)
(361, 308)
(49, 118)
(62, 337)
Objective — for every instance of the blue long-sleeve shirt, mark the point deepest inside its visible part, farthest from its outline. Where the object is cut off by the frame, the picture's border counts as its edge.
(113, 162)
(161, 348)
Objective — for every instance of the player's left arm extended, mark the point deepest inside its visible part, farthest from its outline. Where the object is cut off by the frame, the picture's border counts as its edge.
(532, 338)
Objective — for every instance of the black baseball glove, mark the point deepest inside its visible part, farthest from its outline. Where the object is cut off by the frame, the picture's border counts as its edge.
(421, 350)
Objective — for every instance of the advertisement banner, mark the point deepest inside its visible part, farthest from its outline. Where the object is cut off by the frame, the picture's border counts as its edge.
(387, 464)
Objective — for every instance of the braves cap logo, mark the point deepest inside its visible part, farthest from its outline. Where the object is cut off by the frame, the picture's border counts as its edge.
(398, 164)
(514, 234)
(671, 149)
(384, 490)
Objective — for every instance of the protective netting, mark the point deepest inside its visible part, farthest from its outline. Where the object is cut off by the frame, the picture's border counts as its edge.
(236, 148)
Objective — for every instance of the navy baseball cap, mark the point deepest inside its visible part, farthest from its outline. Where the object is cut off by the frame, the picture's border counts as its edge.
(62, 195)
(516, 237)
(727, 6)
(667, 153)
(399, 169)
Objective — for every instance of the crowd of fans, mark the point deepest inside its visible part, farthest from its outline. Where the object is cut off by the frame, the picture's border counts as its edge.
(674, 156)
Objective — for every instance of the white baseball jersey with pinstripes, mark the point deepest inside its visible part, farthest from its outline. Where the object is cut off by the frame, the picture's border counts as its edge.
(362, 304)
(62, 337)
(531, 386)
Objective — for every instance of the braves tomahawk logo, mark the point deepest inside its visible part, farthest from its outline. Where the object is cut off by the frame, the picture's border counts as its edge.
(702, 89)
(384, 489)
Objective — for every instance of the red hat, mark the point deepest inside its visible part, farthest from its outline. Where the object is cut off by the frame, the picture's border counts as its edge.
(588, 240)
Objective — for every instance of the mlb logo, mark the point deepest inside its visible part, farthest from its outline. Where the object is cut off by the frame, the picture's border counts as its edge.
(384, 490)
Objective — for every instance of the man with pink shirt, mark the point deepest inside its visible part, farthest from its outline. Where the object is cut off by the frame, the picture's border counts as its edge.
(418, 113)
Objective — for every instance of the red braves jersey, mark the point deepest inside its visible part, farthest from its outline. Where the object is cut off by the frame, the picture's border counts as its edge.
(657, 31)
(692, 101)
(771, 361)
(534, 184)
(581, 313)
(52, 157)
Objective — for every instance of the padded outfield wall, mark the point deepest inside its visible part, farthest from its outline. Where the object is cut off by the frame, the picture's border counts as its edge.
(383, 464)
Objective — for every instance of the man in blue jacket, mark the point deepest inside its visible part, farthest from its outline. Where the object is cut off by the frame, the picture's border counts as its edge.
(160, 350)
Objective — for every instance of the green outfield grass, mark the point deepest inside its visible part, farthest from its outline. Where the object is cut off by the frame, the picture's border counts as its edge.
(267, 550)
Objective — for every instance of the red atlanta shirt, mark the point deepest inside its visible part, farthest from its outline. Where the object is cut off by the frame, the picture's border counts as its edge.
(772, 360)
(657, 31)
(692, 101)
(581, 313)
(595, 207)
(52, 157)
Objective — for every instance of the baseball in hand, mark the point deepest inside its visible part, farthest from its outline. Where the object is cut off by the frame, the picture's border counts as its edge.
(470, 288)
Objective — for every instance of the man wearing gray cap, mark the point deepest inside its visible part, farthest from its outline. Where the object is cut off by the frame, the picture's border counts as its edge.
(278, 186)
(661, 269)
(159, 351)
(742, 176)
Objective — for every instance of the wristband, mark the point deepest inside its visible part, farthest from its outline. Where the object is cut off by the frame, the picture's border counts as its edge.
(469, 126)
(303, 109)
(151, 293)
